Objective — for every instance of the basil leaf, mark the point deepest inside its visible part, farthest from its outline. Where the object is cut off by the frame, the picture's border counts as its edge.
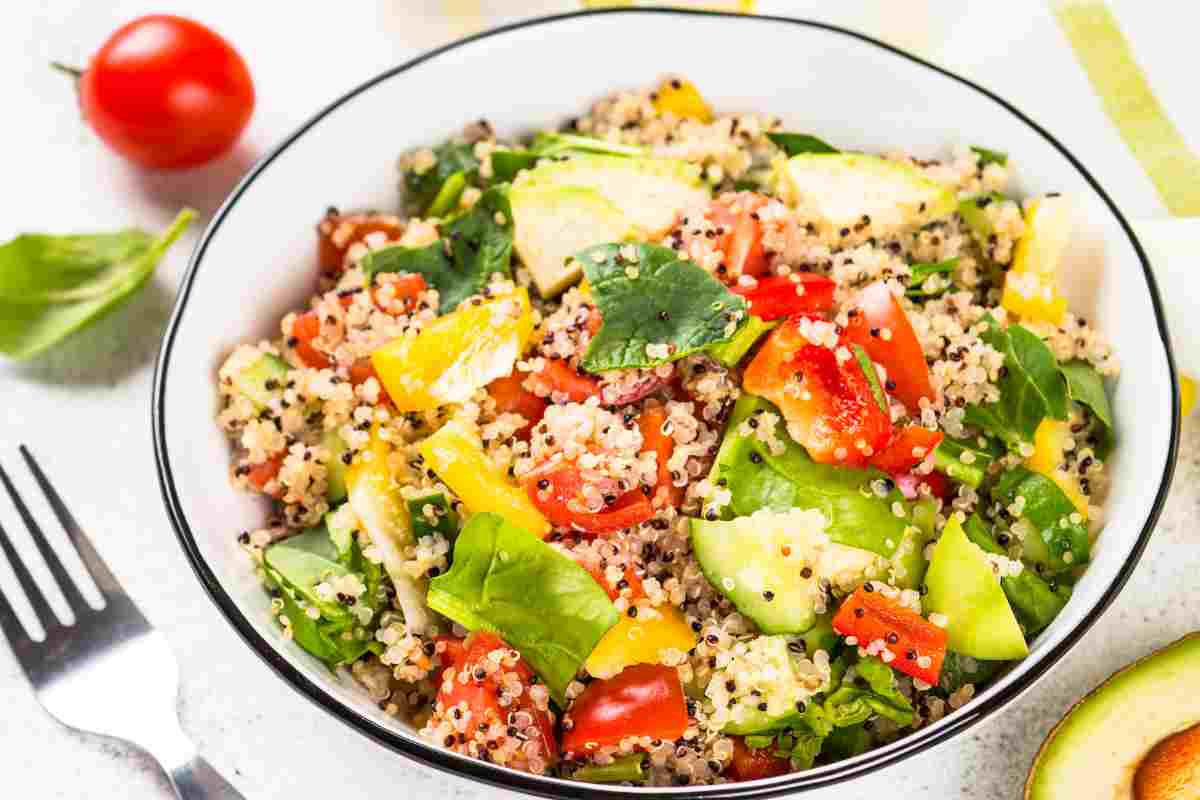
(505, 579)
(473, 247)
(51, 286)
(921, 273)
(1032, 389)
(647, 295)
(452, 158)
(990, 156)
(1086, 387)
(507, 163)
(796, 143)
(1048, 511)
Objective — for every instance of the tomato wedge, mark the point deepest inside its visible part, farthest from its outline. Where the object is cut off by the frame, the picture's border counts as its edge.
(481, 692)
(557, 375)
(740, 236)
(305, 328)
(879, 325)
(337, 233)
(651, 422)
(782, 296)
(908, 447)
(557, 493)
(917, 645)
(641, 700)
(511, 397)
(750, 765)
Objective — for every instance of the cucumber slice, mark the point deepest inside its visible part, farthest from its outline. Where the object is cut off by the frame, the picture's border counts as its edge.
(260, 380)
(340, 524)
(839, 189)
(553, 223)
(335, 467)
(973, 210)
(649, 191)
(770, 565)
(765, 673)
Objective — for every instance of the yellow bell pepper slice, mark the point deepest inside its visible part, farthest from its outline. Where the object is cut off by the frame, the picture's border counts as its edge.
(682, 99)
(1030, 287)
(455, 354)
(1187, 396)
(634, 640)
(1049, 452)
(456, 455)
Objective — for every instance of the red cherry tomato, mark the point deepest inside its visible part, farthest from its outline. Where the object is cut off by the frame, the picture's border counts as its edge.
(784, 295)
(558, 376)
(879, 325)
(512, 397)
(750, 765)
(166, 92)
(336, 233)
(637, 589)
(741, 234)
(641, 700)
(262, 474)
(557, 494)
(666, 493)
(901, 454)
(307, 327)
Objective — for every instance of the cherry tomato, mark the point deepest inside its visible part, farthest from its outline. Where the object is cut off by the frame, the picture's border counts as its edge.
(166, 92)
(305, 328)
(750, 765)
(741, 234)
(336, 233)
(511, 397)
(558, 376)
(557, 494)
(398, 294)
(918, 646)
(651, 421)
(482, 695)
(637, 590)
(782, 296)
(641, 700)
(262, 474)
(908, 447)
(879, 325)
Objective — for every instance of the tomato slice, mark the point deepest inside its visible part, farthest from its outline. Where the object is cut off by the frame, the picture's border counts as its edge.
(398, 294)
(741, 234)
(917, 645)
(908, 447)
(557, 494)
(361, 370)
(651, 422)
(337, 233)
(481, 692)
(262, 474)
(782, 296)
(636, 589)
(879, 325)
(557, 375)
(750, 765)
(305, 328)
(511, 397)
(641, 700)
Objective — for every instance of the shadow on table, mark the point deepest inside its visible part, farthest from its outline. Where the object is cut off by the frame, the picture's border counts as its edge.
(202, 188)
(110, 349)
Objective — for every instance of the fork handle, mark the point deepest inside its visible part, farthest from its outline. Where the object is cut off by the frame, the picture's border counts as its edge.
(197, 780)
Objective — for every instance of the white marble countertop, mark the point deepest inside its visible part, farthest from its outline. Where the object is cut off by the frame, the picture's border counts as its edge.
(85, 407)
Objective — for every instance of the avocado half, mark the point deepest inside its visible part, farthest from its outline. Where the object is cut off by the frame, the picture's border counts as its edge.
(1135, 736)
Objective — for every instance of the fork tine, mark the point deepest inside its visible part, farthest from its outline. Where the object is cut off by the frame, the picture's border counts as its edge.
(65, 583)
(41, 608)
(106, 582)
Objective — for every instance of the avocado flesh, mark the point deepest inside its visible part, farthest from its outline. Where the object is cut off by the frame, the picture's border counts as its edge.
(1096, 749)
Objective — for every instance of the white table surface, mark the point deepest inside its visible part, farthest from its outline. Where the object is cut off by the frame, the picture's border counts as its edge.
(85, 408)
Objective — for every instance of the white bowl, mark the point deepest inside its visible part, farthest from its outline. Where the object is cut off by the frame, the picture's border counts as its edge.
(256, 260)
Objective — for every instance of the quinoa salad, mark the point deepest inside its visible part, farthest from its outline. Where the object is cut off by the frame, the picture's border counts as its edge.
(675, 447)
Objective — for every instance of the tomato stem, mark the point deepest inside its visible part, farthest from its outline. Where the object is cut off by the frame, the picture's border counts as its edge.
(74, 72)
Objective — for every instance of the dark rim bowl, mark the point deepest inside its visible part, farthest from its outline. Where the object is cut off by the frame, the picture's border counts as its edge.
(490, 774)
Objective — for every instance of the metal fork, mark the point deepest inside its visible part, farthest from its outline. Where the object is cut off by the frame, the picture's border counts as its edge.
(109, 672)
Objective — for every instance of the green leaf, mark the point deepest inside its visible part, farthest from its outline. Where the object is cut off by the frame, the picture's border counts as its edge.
(445, 521)
(452, 158)
(557, 144)
(1032, 389)
(1032, 600)
(922, 271)
(506, 580)
(959, 670)
(796, 143)
(473, 247)
(990, 156)
(868, 370)
(947, 459)
(847, 742)
(653, 297)
(853, 705)
(507, 163)
(51, 286)
(1048, 510)
(1086, 387)
(731, 353)
(447, 196)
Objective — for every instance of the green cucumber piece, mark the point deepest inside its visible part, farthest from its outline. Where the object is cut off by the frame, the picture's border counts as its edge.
(260, 380)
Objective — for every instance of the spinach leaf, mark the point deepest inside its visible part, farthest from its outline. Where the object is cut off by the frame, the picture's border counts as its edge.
(1032, 389)
(990, 156)
(472, 248)
(959, 670)
(1055, 542)
(558, 144)
(444, 520)
(647, 296)
(847, 742)
(757, 478)
(1086, 387)
(853, 705)
(507, 163)
(505, 579)
(452, 158)
(51, 286)
(948, 460)
(796, 143)
(801, 742)
(921, 273)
